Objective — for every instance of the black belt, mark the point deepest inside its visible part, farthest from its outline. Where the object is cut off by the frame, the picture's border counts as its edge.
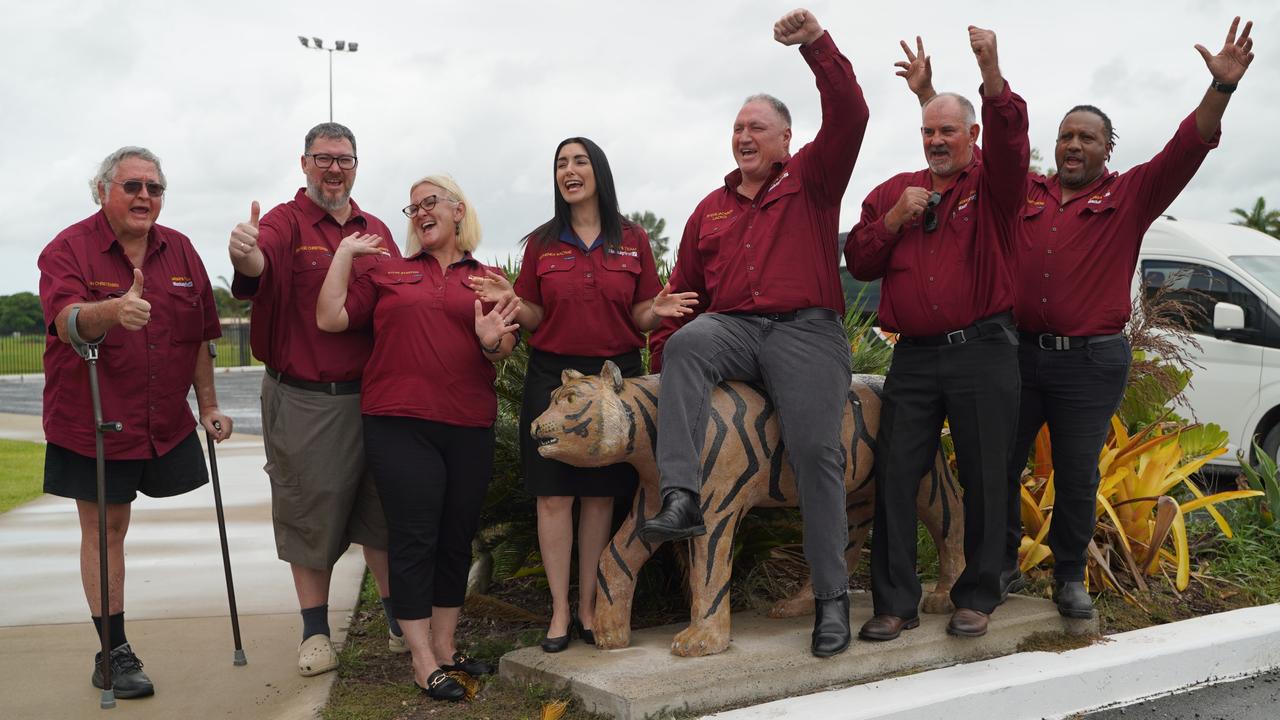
(350, 387)
(814, 313)
(992, 325)
(1049, 341)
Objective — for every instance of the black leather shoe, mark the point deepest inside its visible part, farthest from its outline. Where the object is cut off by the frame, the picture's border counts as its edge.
(127, 678)
(678, 519)
(585, 634)
(1011, 581)
(442, 687)
(831, 633)
(887, 627)
(1073, 600)
(468, 665)
(556, 644)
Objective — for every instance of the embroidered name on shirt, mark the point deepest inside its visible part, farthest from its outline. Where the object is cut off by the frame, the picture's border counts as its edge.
(103, 283)
(965, 202)
(568, 254)
(719, 215)
(311, 248)
(781, 177)
(181, 281)
(1035, 203)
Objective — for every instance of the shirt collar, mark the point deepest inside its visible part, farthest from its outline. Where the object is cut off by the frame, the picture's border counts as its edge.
(423, 256)
(1054, 186)
(569, 237)
(107, 236)
(314, 213)
(734, 178)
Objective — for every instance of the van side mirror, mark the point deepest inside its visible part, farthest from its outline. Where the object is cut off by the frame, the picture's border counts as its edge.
(1227, 316)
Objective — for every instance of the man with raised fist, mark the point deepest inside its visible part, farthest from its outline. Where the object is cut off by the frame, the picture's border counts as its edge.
(139, 289)
(322, 498)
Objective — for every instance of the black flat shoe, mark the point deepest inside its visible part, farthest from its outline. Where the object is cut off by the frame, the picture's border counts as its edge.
(468, 665)
(556, 644)
(442, 687)
(585, 634)
(679, 518)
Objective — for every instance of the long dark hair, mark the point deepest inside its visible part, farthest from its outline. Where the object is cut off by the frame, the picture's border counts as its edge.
(611, 220)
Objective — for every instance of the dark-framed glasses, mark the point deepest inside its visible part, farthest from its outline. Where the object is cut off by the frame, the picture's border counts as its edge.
(426, 204)
(346, 162)
(133, 187)
(930, 215)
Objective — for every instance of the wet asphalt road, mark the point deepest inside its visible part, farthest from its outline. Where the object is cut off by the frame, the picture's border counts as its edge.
(238, 397)
(1253, 698)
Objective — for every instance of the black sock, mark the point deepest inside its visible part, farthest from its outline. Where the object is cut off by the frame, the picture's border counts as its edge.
(115, 629)
(391, 619)
(315, 621)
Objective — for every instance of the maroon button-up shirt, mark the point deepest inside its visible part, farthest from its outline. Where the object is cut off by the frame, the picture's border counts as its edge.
(427, 362)
(143, 375)
(586, 297)
(1075, 260)
(778, 251)
(298, 239)
(958, 274)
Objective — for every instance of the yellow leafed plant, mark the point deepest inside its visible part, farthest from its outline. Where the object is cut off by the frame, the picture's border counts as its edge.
(1141, 530)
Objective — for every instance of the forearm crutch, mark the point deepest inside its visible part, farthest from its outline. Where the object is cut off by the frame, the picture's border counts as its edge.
(89, 351)
(238, 658)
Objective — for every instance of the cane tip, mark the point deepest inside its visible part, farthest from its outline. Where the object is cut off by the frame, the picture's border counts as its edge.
(240, 659)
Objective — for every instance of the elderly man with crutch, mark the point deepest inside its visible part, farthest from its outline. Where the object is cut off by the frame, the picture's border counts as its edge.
(132, 298)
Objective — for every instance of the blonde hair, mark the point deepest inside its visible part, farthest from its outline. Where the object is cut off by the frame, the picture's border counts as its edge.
(468, 228)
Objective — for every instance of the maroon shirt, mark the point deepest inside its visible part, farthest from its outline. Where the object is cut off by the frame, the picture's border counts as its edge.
(143, 375)
(959, 273)
(426, 361)
(298, 239)
(586, 296)
(778, 251)
(1075, 260)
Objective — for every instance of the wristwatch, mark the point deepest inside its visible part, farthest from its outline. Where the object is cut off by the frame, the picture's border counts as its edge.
(1223, 87)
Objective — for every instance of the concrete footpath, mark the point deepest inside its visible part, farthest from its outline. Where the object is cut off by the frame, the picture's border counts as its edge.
(175, 603)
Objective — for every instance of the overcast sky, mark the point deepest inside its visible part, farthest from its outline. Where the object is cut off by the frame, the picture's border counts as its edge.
(223, 92)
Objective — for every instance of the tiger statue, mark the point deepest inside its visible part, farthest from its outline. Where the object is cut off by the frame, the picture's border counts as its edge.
(597, 420)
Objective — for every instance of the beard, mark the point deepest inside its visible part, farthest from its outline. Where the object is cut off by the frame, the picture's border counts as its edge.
(316, 193)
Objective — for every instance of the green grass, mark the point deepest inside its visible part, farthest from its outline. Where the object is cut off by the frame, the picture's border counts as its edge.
(21, 354)
(22, 477)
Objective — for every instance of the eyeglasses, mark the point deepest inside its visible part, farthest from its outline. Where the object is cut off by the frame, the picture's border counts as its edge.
(427, 204)
(346, 162)
(931, 217)
(133, 187)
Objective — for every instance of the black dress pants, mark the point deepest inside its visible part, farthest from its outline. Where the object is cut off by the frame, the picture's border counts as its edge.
(1076, 392)
(975, 385)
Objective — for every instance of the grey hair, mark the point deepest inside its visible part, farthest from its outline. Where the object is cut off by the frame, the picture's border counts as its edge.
(970, 117)
(777, 105)
(107, 170)
(329, 130)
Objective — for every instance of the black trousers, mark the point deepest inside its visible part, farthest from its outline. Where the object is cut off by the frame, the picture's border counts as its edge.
(975, 386)
(432, 480)
(1076, 392)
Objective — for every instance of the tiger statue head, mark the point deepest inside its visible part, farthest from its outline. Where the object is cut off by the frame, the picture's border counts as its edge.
(591, 421)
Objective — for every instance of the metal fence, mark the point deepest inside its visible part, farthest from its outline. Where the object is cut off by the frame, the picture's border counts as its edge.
(22, 354)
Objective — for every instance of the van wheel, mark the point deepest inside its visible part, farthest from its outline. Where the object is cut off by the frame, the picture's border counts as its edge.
(1271, 443)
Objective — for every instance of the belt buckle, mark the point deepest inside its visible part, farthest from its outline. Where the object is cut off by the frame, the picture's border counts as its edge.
(1058, 342)
(951, 340)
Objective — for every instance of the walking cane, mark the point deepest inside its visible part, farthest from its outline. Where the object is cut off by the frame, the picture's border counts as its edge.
(238, 658)
(89, 352)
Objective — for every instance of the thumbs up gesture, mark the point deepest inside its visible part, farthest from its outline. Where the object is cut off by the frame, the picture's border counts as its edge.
(133, 312)
(244, 238)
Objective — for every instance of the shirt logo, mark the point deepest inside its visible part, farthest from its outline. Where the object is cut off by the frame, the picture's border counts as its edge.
(103, 284)
(1097, 199)
(181, 281)
(1035, 203)
(964, 203)
(781, 177)
(719, 215)
(627, 251)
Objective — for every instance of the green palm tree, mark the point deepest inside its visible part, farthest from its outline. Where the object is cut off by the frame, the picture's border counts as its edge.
(1259, 218)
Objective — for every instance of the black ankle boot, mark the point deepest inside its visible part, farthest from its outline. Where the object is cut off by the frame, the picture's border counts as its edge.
(831, 626)
(1072, 599)
(678, 519)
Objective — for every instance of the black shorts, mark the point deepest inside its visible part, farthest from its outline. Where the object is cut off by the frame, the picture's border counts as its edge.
(72, 475)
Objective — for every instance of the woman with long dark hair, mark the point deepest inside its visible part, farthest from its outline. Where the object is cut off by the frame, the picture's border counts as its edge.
(589, 290)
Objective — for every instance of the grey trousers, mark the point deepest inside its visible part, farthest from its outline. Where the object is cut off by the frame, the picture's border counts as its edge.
(804, 366)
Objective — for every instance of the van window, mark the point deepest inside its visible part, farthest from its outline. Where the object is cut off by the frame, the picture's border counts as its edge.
(1203, 286)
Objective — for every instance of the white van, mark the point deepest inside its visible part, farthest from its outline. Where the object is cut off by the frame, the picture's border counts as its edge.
(1239, 268)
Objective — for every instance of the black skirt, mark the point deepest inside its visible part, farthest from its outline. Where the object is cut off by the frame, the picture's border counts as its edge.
(551, 477)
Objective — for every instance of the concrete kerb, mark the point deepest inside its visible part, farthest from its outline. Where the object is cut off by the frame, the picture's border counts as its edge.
(1125, 668)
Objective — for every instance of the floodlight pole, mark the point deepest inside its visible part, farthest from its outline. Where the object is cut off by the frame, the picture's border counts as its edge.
(339, 46)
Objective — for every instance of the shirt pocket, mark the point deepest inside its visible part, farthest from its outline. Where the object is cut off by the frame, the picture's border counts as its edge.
(556, 279)
(188, 315)
(621, 274)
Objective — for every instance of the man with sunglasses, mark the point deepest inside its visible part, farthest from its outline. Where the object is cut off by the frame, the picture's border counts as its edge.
(940, 239)
(140, 291)
(322, 498)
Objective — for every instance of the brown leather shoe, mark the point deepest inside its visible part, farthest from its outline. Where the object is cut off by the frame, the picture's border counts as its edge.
(968, 623)
(886, 627)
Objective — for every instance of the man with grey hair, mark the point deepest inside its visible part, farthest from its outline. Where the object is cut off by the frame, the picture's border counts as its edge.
(139, 290)
(760, 249)
(941, 239)
(322, 498)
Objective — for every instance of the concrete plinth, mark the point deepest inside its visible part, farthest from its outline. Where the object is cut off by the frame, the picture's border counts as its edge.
(768, 659)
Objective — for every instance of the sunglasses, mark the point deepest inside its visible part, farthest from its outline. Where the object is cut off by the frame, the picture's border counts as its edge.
(931, 217)
(133, 187)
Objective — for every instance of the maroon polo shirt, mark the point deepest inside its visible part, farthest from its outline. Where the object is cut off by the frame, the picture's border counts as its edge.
(959, 273)
(426, 361)
(298, 239)
(778, 251)
(143, 375)
(1075, 260)
(587, 296)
